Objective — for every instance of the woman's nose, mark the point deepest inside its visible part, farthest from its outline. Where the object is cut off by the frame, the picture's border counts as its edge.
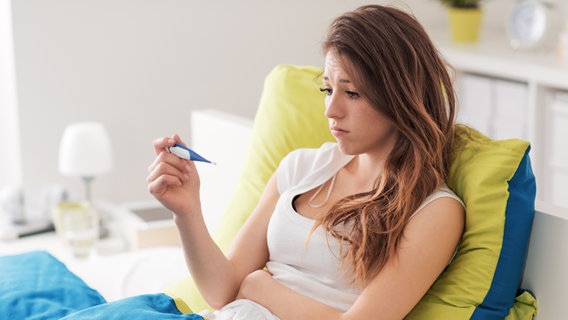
(332, 107)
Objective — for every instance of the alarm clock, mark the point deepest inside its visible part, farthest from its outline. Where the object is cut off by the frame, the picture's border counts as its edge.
(532, 24)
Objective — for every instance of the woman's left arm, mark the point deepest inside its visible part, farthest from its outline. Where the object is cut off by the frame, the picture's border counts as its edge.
(282, 301)
(429, 242)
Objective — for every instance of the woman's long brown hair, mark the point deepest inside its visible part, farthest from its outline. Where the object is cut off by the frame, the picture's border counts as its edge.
(402, 74)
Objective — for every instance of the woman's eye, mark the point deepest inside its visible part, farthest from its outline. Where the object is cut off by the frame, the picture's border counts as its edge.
(327, 91)
(349, 93)
(352, 94)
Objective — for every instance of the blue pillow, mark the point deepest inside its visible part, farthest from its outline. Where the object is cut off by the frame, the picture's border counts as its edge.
(140, 307)
(36, 285)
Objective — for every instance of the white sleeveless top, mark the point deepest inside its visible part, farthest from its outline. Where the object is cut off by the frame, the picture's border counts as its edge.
(312, 267)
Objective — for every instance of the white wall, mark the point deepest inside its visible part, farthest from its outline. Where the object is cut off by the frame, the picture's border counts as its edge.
(140, 66)
(9, 138)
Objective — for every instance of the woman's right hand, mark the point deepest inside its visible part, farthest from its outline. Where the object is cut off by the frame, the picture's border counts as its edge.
(173, 181)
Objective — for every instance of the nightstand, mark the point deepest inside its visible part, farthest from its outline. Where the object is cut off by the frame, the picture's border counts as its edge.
(148, 224)
(114, 242)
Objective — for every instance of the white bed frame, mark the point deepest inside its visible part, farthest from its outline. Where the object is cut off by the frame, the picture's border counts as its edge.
(546, 269)
(224, 138)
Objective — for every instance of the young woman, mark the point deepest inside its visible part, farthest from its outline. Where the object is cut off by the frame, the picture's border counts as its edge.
(358, 229)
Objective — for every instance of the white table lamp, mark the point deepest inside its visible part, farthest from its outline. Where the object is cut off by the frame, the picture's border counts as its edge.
(85, 151)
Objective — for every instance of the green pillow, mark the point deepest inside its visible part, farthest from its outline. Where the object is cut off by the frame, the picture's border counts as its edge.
(494, 178)
(497, 185)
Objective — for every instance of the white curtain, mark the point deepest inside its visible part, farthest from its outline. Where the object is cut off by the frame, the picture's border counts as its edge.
(10, 154)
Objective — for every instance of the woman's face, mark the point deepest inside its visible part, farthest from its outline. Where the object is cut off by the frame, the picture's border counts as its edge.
(356, 125)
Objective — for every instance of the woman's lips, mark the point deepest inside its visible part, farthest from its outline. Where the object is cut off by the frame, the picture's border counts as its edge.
(337, 132)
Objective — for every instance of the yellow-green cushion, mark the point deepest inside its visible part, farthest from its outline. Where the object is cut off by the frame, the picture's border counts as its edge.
(495, 181)
(493, 178)
(290, 116)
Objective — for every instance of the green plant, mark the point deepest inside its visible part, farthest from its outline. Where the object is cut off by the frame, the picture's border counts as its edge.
(461, 3)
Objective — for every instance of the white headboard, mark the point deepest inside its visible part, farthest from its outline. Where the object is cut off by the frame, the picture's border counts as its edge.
(224, 138)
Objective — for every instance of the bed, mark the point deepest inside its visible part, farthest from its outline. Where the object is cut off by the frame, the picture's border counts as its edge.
(159, 275)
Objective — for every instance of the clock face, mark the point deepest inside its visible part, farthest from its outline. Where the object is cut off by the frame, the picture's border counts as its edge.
(528, 23)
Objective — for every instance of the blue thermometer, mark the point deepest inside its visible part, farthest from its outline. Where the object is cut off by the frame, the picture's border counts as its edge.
(186, 153)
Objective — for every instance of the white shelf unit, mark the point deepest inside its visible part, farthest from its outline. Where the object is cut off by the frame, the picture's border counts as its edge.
(545, 81)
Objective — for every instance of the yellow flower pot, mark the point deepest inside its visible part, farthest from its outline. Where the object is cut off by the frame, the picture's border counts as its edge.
(465, 24)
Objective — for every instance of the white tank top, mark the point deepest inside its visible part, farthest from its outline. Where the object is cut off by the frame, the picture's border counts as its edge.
(312, 267)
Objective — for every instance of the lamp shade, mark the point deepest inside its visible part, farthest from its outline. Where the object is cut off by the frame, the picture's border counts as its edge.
(85, 150)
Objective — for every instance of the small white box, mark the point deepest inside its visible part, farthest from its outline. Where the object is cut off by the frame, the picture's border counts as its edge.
(149, 225)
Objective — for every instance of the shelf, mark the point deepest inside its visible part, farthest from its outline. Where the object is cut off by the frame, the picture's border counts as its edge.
(545, 78)
(493, 56)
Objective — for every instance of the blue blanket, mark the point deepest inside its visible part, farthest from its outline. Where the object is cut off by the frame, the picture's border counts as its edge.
(36, 285)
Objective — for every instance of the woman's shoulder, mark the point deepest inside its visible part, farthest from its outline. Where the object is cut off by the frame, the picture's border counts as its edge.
(445, 192)
(442, 192)
(312, 156)
(304, 162)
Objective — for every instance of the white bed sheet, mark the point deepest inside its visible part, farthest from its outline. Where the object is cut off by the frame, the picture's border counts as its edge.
(131, 273)
(115, 275)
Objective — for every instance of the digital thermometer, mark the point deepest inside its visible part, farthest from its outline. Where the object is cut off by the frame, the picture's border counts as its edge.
(186, 153)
